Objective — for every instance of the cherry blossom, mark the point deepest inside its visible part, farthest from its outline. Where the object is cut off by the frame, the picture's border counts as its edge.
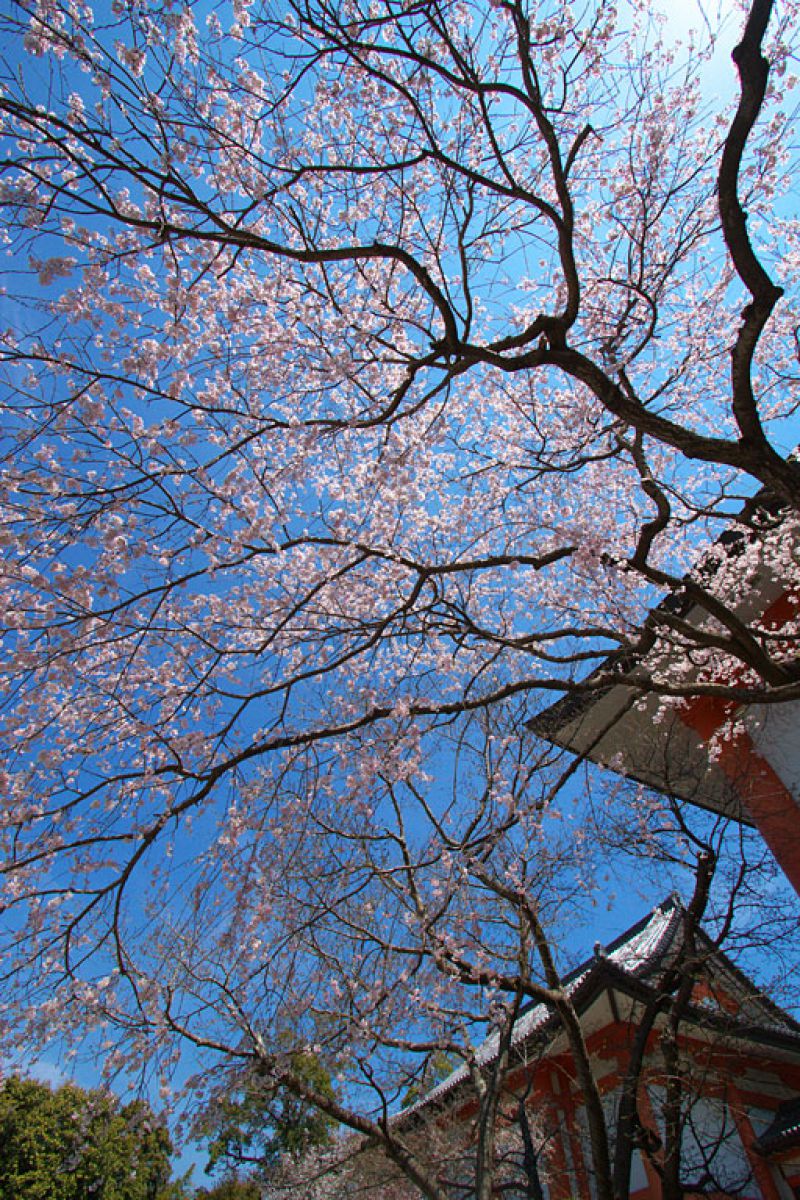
(373, 372)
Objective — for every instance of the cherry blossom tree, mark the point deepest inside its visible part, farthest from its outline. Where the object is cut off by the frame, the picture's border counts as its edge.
(370, 371)
(359, 1168)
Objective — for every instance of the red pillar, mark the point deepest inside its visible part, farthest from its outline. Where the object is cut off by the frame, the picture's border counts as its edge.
(771, 806)
(761, 1170)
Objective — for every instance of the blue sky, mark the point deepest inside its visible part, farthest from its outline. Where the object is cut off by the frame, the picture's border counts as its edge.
(625, 900)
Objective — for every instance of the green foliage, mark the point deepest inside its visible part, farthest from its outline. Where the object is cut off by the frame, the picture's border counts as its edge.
(71, 1144)
(260, 1122)
(179, 1189)
(231, 1189)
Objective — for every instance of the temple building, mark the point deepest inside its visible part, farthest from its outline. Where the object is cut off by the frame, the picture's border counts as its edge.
(739, 759)
(739, 1067)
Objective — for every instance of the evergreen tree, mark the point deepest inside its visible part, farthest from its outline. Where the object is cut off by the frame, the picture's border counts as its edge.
(71, 1144)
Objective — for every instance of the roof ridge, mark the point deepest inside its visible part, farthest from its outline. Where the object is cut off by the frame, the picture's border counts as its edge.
(672, 901)
(602, 965)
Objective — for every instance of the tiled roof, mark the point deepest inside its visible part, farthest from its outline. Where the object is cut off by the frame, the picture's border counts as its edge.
(784, 1132)
(639, 953)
